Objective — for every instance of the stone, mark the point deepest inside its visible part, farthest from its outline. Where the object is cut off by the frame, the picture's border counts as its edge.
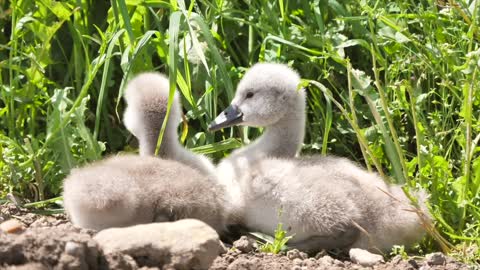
(436, 258)
(295, 253)
(118, 261)
(297, 261)
(75, 249)
(12, 226)
(413, 263)
(184, 244)
(396, 260)
(310, 262)
(320, 254)
(243, 244)
(364, 258)
(326, 260)
(338, 263)
(28, 266)
(49, 247)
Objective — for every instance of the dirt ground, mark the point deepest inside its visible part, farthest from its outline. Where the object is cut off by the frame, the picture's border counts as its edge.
(52, 242)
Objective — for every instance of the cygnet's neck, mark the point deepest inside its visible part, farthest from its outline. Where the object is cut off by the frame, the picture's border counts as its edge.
(148, 142)
(282, 139)
(171, 148)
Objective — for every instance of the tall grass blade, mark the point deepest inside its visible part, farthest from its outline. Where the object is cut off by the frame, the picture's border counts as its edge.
(122, 7)
(173, 32)
(103, 93)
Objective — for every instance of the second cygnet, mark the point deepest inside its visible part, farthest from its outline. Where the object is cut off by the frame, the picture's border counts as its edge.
(127, 190)
(324, 202)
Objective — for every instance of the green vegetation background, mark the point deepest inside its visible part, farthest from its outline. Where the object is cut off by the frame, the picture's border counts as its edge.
(391, 84)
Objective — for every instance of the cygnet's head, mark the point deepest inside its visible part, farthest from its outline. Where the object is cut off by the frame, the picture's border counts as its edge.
(146, 96)
(266, 93)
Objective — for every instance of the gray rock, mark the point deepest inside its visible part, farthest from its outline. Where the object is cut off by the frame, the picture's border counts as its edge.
(321, 254)
(48, 246)
(74, 257)
(338, 263)
(119, 261)
(298, 261)
(75, 249)
(184, 244)
(28, 266)
(364, 258)
(243, 244)
(295, 253)
(436, 258)
(396, 260)
(310, 263)
(326, 260)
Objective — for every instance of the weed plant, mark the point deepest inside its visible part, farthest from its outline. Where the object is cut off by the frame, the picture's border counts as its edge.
(391, 84)
(277, 243)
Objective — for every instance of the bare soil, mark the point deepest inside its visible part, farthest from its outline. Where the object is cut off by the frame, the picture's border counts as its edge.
(52, 242)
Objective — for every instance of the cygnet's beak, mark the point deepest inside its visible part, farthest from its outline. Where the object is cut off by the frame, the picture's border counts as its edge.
(229, 117)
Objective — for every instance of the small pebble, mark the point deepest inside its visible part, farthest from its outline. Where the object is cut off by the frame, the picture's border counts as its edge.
(364, 258)
(255, 261)
(297, 261)
(326, 260)
(321, 254)
(436, 258)
(295, 253)
(27, 266)
(310, 262)
(243, 244)
(338, 263)
(413, 263)
(229, 258)
(75, 249)
(396, 260)
(12, 226)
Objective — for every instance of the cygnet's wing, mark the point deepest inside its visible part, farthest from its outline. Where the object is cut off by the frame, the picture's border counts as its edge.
(389, 218)
(307, 200)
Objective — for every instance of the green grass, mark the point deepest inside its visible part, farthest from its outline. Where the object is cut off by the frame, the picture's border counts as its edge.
(391, 84)
(276, 243)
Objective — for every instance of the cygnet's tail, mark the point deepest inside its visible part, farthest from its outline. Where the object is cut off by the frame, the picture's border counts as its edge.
(407, 218)
(93, 199)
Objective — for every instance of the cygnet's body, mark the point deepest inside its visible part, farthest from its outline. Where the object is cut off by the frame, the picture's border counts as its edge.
(128, 190)
(329, 203)
(325, 202)
(146, 96)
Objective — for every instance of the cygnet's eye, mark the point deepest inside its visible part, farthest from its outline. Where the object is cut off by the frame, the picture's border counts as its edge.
(249, 95)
